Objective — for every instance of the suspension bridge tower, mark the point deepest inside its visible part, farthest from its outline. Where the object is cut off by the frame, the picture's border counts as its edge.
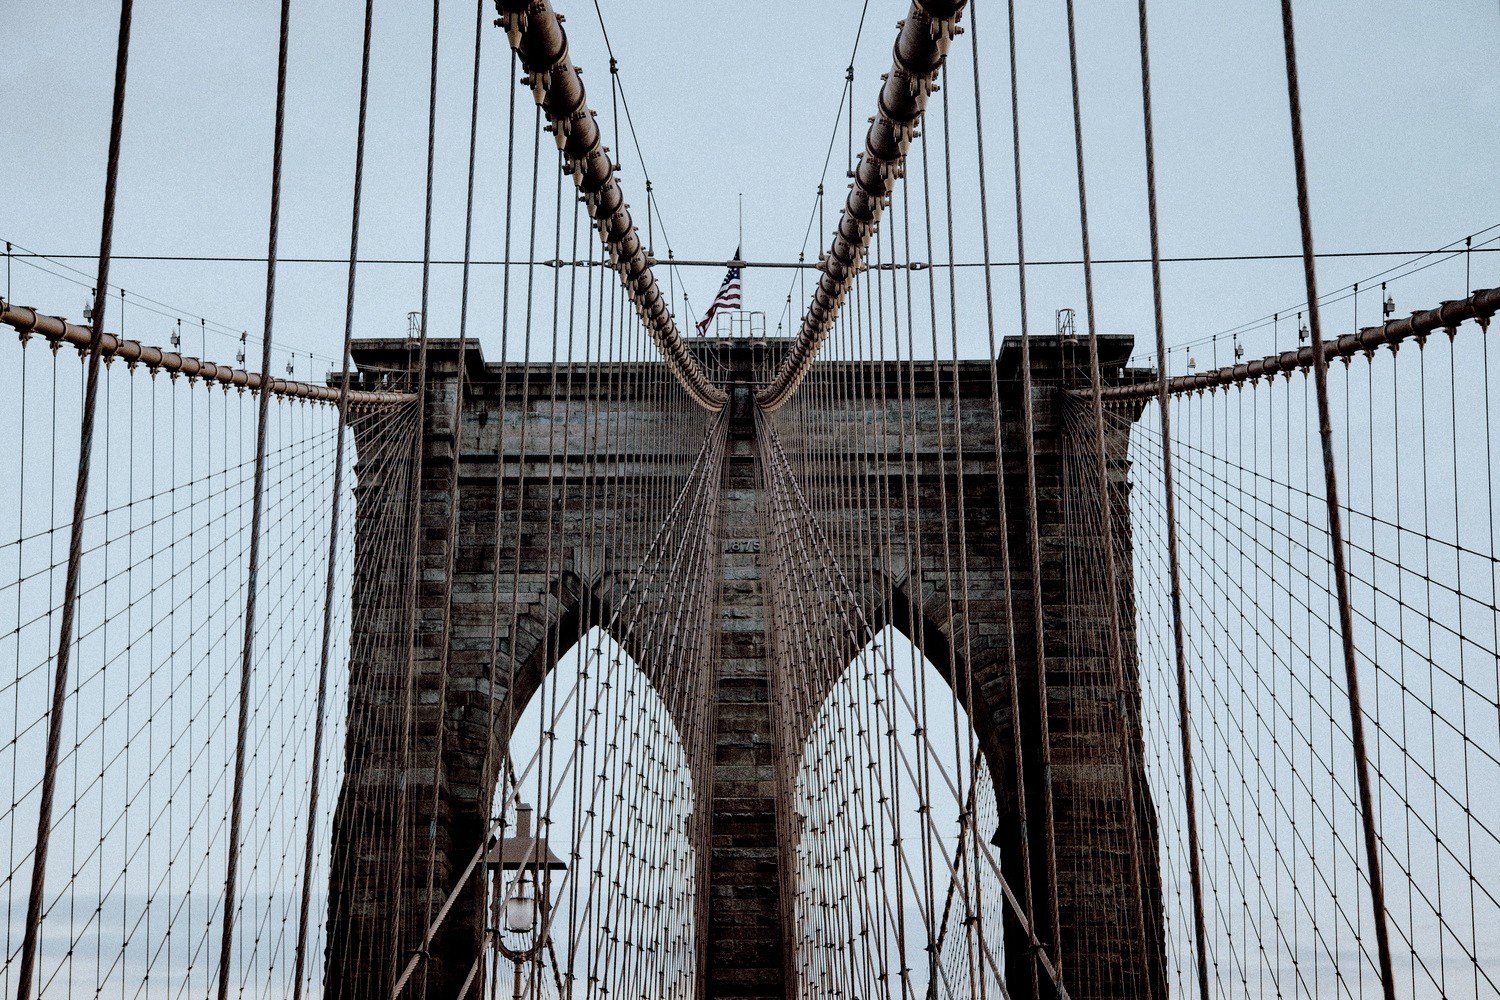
(736, 716)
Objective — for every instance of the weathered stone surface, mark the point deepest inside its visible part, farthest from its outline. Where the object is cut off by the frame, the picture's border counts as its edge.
(901, 538)
(744, 937)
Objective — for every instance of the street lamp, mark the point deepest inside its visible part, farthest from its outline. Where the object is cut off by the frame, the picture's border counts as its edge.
(521, 907)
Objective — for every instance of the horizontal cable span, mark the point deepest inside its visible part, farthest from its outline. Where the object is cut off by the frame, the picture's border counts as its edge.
(28, 321)
(1481, 305)
(537, 36)
(921, 47)
(809, 265)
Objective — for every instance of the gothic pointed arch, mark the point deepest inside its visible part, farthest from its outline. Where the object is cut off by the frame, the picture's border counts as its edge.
(894, 806)
(597, 759)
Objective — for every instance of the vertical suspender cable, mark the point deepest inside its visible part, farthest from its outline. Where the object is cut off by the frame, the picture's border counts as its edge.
(1101, 469)
(1028, 413)
(499, 495)
(453, 476)
(34, 901)
(1195, 873)
(333, 520)
(1100, 462)
(414, 511)
(257, 504)
(1335, 517)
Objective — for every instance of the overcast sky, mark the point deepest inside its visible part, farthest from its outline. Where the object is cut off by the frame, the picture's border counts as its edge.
(1401, 101)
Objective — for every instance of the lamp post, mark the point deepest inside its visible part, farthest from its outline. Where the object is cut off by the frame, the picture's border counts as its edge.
(521, 910)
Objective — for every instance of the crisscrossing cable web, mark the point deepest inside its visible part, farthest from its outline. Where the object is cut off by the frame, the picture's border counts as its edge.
(135, 878)
(1287, 898)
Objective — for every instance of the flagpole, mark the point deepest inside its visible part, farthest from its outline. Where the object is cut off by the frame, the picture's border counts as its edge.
(742, 224)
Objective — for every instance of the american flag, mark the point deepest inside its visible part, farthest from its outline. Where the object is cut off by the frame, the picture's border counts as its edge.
(728, 297)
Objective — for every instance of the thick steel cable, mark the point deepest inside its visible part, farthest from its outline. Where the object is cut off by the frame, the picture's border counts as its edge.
(1101, 466)
(920, 50)
(1373, 865)
(913, 548)
(512, 710)
(961, 515)
(549, 775)
(455, 461)
(35, 901)
(609, 480)
(935, 373)
(403, 830)
(552, 641)
(26, 320)
(536, 34)
(1174, 570)
(552, 638)
(1479, 305)
(1028, 431)
(333, 520)
(975, 970)
(876, 537)
(586, 623)
(252, 580)
(493, 675)
(916, 612)
(888, 598)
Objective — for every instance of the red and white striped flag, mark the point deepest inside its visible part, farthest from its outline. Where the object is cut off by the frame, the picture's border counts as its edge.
(728, 297)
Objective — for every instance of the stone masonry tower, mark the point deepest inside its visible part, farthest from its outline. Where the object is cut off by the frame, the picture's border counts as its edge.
(744, 939)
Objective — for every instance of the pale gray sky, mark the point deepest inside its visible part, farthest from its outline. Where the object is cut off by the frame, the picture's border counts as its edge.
(728, 98)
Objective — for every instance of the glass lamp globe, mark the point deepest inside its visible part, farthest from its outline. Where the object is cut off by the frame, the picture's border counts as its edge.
(520, 908)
